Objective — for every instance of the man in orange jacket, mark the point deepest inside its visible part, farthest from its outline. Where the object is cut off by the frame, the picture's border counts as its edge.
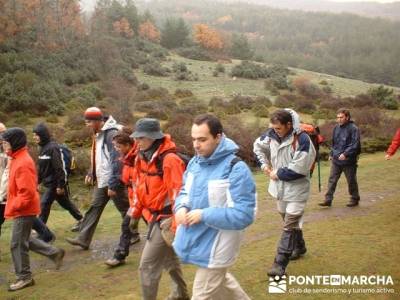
(159, 173)
(394, 145)
(23, 205)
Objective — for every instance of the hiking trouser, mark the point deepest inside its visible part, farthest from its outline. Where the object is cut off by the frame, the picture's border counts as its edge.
(216, 284)
(22, 242)
(156, 256)
(43, 231)
(122, 249)
(47, 199)
(292, 213)
(92, 216)
(350, 171)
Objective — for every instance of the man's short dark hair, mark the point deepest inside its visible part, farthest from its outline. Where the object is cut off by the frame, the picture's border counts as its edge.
(281, 116)
(213, 123)
(344, 111)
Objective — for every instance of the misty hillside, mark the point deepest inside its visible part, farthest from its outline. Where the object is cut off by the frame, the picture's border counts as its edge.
(369, 9)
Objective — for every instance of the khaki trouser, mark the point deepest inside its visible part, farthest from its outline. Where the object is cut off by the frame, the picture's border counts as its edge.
(216, 284)
(157, 256)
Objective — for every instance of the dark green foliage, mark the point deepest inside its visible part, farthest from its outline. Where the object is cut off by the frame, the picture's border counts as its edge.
(155, 68)
(243, 102)
(384, 97)
(194, 52)
(175, 33)
(241, 48)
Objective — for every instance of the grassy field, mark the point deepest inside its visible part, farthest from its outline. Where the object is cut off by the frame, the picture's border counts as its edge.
(340, 240)
(224, 85)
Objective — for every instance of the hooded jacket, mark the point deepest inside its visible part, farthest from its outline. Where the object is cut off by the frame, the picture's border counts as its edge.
(345, 140)
(154, 193)
(108, 166)
(51, 168)
(292, 157)
(227, 196)
(22, 197)
(128, 176)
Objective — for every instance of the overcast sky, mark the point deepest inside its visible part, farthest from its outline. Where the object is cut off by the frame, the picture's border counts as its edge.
(89, 4)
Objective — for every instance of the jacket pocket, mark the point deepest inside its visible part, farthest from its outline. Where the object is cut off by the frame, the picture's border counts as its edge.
(217, 192)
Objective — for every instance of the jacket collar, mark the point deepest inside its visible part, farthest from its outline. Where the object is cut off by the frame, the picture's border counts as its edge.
(19, 152)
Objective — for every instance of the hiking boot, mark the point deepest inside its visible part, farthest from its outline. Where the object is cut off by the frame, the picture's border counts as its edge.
(114, 262)
(58, 258)
(134, 239)
(300, 246)
(325, 203)
(21, 284)
(77, 242)
(352, 204)
(285, 249)
(77, 226)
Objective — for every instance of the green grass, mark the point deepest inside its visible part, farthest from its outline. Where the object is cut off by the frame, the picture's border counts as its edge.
(358, 241)
(226, 86)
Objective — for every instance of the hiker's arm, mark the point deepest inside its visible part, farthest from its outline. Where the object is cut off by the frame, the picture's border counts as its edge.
(353, 148)
(60, 171)
(301, 162)
(116, 164)
(173, 169)
(395, 144)
(262, 150)
(241, 202)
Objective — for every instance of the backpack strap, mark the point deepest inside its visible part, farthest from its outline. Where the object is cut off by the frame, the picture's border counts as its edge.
(159, 160)
(234, 161)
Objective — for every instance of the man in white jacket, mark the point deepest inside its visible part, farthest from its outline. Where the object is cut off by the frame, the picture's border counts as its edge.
(3, 177)
(286, 155)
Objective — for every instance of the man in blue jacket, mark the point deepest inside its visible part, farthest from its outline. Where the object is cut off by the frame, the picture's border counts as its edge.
(216, 203)
(344, 155)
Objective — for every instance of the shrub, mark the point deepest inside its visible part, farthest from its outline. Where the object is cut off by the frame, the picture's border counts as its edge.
(183, 93)
(305, 105)
(243, 102)
(261, 111)
(262, 100)
(306, 88)
(195, 53)
(155, 68)
(219, 68)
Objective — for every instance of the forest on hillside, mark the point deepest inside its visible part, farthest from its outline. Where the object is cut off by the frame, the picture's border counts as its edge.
(339, 44)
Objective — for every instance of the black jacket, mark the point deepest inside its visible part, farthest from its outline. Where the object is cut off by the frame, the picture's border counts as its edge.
(346, 140)
(51, 169)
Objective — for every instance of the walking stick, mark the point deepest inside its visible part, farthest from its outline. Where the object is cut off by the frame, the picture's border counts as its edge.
(319, 173)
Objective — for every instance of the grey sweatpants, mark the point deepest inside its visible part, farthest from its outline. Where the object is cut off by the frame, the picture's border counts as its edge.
(22, 242)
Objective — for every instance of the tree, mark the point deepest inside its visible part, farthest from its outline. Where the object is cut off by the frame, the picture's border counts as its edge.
(148, 31)
(175, 33)
(207, 37)
(241, 48)
(123, 27)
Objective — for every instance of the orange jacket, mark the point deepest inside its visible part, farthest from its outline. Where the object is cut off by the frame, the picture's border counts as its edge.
(128, 176)
(23, 196)
(395, 144)
(154, 192)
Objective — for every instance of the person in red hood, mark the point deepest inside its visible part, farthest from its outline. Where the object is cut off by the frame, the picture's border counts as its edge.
(155, 189)
(128, 150)
(23, 205)
(394, 145)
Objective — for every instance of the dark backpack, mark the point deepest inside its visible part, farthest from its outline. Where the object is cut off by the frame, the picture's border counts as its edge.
(160, 161)
(67, 158)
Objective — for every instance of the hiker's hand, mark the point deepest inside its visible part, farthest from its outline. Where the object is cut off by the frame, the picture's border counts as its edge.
(267, 170)
(111, 193)
(273, 175)
(387, 157)
(89, 180)
(60, 191)
(330, 157)
(342, 157)
(180, 216)
(194, 216)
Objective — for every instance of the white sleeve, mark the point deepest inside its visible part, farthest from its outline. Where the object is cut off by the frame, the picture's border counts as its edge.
(262, 150)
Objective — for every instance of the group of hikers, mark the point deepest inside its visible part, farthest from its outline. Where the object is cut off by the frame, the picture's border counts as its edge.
(196, 209)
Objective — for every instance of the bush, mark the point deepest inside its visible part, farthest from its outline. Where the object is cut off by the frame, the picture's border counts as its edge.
(219, 68)
(183, 93)
(243, 102)
(249, 70)
(179, 127)
(262, 100)
(159, 93)
(284, 101)
(192, 106)
(195, 53)
(179, 67)
(304, 105)
(306, 88)
(155, 68)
